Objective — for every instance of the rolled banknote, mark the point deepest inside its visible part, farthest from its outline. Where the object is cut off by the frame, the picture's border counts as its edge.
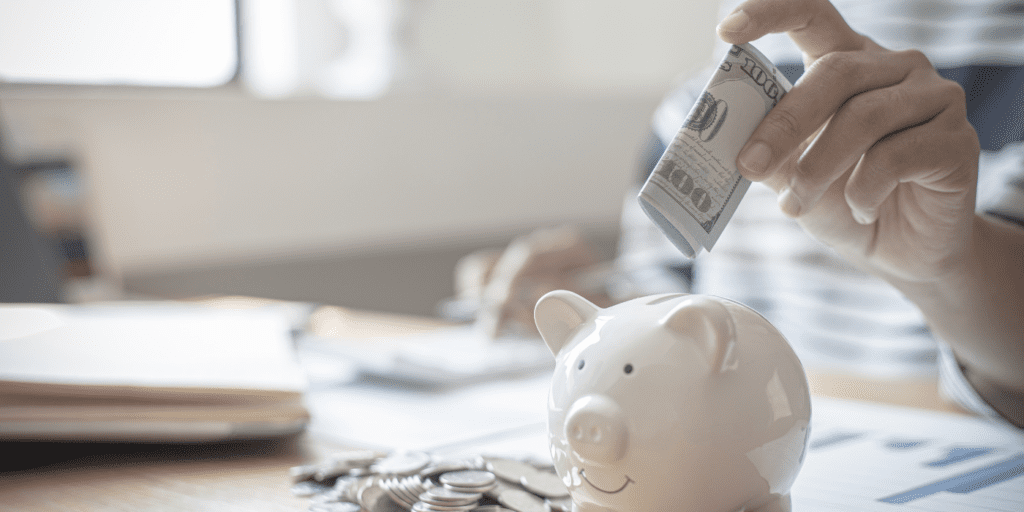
(695, 187)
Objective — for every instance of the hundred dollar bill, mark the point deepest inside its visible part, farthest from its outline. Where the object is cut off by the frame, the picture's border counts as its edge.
(695, 187)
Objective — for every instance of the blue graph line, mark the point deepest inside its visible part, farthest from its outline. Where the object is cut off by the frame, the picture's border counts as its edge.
(834, 439)
(965, 482)
(902, 444)
(958, 454)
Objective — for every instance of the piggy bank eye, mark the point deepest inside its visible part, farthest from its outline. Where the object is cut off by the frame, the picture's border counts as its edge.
(580, 366)
(628, 369)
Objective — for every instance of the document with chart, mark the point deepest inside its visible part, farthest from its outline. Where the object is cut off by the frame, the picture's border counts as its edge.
(861, 456)
(869, 457)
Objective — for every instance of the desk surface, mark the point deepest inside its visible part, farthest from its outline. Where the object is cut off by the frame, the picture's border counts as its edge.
(254, 476)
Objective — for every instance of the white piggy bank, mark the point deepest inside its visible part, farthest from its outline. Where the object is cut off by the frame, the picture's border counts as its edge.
(673, 403)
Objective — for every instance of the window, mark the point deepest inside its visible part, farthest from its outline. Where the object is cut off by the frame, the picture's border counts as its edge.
(173, 43)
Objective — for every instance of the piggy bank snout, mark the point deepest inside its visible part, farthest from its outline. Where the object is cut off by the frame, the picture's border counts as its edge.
(596, 429)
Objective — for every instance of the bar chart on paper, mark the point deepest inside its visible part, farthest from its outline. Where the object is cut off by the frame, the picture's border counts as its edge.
(867, 457)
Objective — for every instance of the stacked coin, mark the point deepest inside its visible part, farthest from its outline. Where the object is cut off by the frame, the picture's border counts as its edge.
(372, 498)
(419, 482)
(542, 483)
(406, 491)
(468, 481)
(443, 499)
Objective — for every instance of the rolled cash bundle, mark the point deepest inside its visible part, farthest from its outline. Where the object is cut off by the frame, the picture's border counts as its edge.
(695, 187)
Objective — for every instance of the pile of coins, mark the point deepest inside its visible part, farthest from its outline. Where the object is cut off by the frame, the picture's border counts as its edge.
(367, 481)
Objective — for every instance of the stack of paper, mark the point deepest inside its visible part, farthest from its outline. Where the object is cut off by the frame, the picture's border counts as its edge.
(147, 372)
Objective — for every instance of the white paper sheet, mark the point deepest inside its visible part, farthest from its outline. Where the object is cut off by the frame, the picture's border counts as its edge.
(148, 345)
(867, 457)
(444, 357)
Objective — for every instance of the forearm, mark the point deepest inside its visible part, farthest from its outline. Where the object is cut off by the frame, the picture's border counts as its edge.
(979, 308)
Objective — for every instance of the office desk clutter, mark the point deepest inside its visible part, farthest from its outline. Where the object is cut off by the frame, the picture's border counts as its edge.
(673, 402)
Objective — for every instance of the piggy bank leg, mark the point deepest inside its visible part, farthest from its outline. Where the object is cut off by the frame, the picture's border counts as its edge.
(776, 503)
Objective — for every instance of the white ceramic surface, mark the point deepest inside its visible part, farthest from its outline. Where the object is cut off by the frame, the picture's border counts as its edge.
(673, 403)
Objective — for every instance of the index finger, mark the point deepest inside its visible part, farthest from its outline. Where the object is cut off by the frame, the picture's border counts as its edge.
(814, 25)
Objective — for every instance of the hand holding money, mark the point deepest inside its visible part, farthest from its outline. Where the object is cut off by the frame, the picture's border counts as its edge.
(695, 188)
(871, 150)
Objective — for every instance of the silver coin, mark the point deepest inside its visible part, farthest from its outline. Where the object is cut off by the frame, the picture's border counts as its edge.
(448, 466)
(387, 505)
(352, 462)
(307, 488)
(329, 496)
(330, 470)
(406, 497)
(369, 494)
(469, 479)
(509, 470)
(374, 499)
(401, 464)
(389, 486)
(499, 487)
(415, 484)
(301, 473)
(422, 505)
(491, 508)
(472, 490)
(521, 501)
(355, 458)
(558, 504)
(337, 506)
(545, 484)
(347, 486)
(445, 496)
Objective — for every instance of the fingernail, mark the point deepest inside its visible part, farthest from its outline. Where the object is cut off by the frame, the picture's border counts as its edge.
(861, 217)
(734, 22)
(789, 203)
(755, 158)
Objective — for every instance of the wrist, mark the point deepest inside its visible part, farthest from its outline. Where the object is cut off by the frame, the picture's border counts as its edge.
(976, 305)
(1009, 403)
(947, 277)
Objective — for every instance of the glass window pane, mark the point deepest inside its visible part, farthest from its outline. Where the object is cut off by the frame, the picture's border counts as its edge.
(181, 43)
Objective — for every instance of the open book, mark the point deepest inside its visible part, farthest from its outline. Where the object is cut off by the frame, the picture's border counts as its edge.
(147, 372)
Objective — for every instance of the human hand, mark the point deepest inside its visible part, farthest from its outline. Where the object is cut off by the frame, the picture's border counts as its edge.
(509, 283)
(871, 150)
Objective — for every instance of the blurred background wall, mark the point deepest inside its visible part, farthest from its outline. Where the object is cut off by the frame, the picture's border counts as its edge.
(362, 146)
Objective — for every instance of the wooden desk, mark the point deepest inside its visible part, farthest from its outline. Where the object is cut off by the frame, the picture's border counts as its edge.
(254, 476)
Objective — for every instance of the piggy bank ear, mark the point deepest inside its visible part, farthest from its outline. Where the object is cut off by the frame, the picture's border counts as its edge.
(710, 324)
(558, 314)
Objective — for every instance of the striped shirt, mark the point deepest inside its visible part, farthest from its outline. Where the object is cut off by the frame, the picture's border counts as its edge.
(835, 316)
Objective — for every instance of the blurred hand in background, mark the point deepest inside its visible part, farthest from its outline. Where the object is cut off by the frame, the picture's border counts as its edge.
(506, 284)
